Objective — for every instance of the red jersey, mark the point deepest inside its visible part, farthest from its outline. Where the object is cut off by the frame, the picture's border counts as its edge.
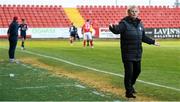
(87, 27)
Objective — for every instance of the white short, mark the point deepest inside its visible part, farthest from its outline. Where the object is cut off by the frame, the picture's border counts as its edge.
(87, 36)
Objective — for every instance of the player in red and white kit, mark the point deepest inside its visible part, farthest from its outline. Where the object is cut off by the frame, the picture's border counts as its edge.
(87, 33)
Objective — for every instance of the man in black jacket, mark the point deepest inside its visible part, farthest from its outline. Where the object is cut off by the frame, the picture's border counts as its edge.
(132, 35)
(13, 38)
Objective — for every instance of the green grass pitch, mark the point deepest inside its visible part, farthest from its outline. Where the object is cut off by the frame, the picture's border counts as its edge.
(55, 70)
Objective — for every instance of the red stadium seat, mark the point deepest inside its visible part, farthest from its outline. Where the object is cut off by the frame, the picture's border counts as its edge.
(36, 16)
(152, 16)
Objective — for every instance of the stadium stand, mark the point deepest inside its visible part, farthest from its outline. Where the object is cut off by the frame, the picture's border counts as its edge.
(152, 16)
(48, 16)
(36, 16)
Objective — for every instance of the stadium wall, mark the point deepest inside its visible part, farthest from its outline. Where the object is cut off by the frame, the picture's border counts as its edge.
(43, 32)
(152, 32)
(102, 33)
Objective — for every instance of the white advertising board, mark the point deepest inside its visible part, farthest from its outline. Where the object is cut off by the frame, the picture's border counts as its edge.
(45, 32)
(105, 33)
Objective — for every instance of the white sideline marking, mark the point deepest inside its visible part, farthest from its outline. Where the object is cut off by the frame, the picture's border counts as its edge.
(58, 86)
(120, 75)
(42, 87)
(80, 86)
(86, 67)
(97, 93)
(8, 75)
(29, 67)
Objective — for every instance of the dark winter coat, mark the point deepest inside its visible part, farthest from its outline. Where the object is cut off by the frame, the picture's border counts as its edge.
(13, 30)
(132, 35)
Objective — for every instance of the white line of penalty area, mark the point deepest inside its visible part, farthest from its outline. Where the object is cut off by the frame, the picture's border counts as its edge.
(93, 69)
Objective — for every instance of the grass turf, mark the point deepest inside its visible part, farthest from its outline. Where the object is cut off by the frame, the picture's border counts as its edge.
(160, 65)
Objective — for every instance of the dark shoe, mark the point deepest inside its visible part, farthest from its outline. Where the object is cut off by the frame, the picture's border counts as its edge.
(130, 96)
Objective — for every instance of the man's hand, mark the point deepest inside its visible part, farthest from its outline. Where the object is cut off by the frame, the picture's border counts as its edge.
(111, 25)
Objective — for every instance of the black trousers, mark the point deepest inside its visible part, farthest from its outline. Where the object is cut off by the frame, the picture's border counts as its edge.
(132, 71)
(12, 48)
